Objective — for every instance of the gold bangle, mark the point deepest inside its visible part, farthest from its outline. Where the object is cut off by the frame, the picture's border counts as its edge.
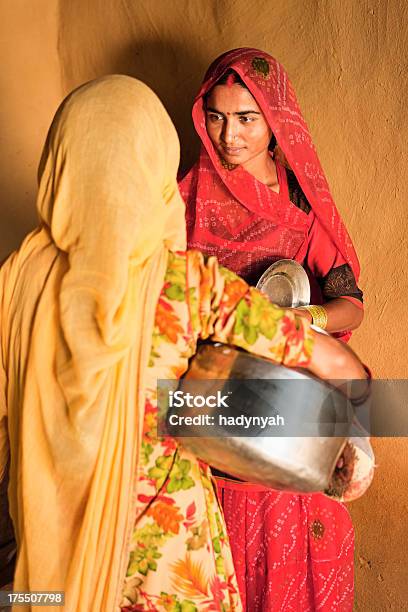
(319, 315)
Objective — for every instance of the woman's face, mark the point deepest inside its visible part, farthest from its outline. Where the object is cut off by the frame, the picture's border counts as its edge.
(236, 125)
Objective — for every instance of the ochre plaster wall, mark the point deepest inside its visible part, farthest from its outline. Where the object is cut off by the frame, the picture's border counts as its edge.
(347, 60)
(30, 91)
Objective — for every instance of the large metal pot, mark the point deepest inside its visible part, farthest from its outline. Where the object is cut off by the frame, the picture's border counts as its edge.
(298, 463)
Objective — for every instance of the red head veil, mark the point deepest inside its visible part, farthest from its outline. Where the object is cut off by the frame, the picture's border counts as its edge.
(226, 208)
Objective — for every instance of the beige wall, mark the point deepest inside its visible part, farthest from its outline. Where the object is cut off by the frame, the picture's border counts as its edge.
(30, 90)
(347, 60)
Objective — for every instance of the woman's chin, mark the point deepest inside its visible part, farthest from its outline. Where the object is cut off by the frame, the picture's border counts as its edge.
(233, 158)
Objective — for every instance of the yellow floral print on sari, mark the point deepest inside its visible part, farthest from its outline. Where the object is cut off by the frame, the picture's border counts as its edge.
(179, 557)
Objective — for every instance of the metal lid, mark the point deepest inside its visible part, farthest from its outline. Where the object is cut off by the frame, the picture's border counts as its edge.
(286, 284)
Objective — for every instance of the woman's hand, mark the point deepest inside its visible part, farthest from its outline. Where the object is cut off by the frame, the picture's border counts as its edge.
(302, 312)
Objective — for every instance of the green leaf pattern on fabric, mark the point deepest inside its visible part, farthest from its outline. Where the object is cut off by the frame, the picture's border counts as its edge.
(178, 522)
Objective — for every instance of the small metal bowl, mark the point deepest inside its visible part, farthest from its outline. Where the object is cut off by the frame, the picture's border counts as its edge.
(297, 464)
(286, 284)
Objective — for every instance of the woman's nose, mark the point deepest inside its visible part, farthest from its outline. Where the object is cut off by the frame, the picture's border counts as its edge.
(229, 133)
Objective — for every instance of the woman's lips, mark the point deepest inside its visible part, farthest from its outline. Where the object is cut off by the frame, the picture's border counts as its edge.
(232, 150)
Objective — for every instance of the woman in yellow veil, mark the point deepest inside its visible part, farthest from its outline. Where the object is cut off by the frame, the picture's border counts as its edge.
(97, 304)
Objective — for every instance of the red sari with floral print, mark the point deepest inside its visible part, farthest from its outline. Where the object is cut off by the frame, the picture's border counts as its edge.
(290, 552)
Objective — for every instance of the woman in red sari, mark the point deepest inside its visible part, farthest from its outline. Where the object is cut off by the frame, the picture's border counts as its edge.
(291, 552)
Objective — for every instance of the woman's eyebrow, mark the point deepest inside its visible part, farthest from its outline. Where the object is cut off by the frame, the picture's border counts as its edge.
(239, 113)
(247, 112)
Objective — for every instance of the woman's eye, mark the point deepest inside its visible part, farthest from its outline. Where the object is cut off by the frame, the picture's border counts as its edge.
(213, 117)
(246, 119)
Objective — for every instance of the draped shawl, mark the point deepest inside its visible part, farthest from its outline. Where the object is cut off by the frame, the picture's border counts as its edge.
(77, 310)
(232, 203)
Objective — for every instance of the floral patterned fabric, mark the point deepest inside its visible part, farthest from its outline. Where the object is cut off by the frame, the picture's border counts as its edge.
(180, 558)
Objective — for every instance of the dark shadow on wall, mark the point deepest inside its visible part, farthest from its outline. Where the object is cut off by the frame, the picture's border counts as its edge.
(154, 42)
(17, 211)
(7, 540)
(172, 70)
(174, 73)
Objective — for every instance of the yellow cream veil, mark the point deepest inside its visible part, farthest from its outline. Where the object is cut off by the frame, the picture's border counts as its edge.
(77, 309)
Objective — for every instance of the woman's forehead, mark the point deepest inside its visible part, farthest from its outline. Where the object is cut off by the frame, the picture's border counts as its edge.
(231, 99)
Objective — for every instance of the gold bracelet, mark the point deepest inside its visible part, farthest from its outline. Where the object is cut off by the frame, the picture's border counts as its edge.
(319, 315)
